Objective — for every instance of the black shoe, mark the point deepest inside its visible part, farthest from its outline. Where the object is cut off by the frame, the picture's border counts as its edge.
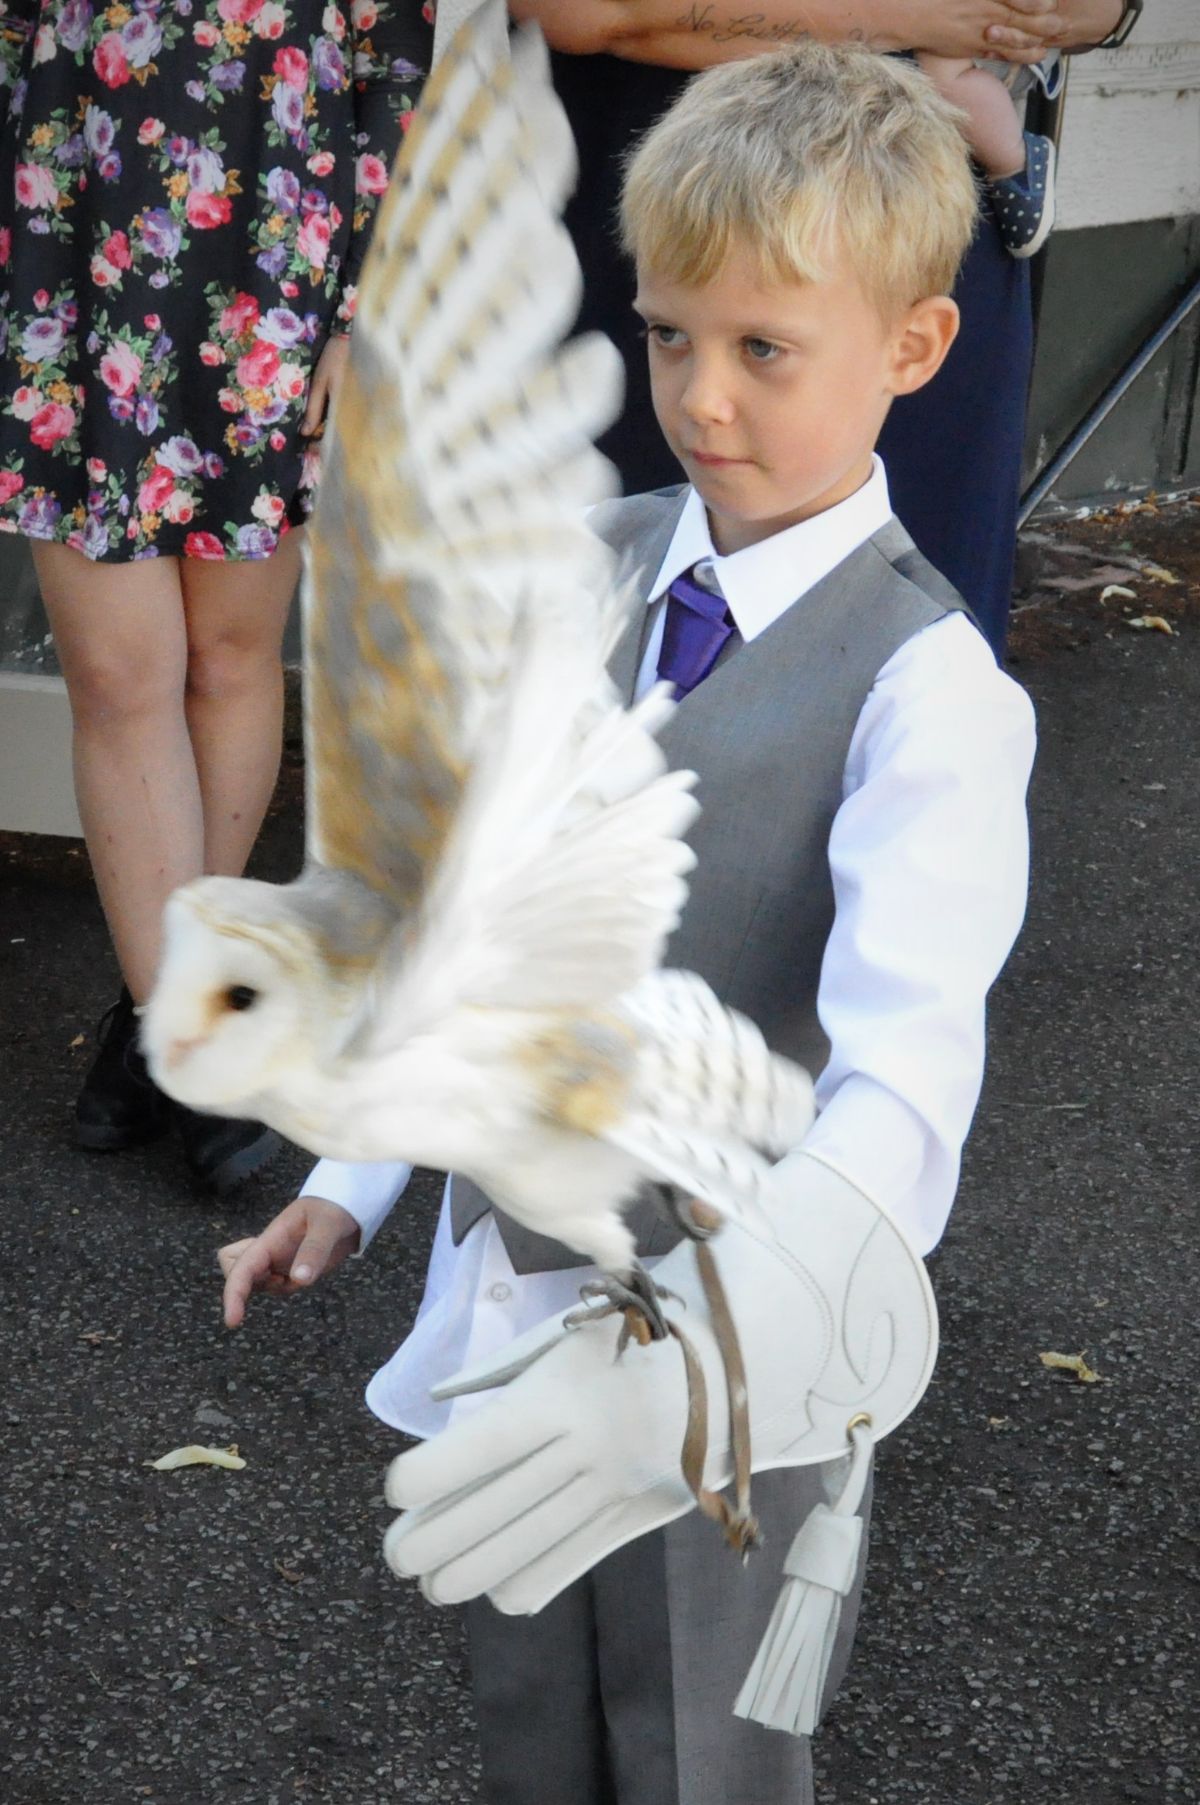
(120, 1105)
(221, 1150)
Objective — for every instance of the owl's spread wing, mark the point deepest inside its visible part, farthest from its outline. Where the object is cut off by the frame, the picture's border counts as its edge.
(472, 756)
(454, 474)
(561, 885)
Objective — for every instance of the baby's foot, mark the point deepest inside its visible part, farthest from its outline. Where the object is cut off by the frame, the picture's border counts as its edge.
(1023, 205)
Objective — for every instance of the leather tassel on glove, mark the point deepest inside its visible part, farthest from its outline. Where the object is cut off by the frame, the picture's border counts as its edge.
(786, 1682)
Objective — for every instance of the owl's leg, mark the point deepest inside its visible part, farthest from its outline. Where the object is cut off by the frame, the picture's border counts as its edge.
(644, 1297)
(695, 1220)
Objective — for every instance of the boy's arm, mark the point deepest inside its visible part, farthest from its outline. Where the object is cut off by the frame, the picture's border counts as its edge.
(693, 34)
(929, 857)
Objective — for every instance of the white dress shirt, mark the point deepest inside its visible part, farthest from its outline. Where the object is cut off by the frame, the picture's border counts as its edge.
(929, 856)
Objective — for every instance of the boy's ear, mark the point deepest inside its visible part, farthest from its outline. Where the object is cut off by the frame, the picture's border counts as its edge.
(922, 338)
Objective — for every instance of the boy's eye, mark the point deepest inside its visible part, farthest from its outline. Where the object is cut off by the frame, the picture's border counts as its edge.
(760, 349)
(669, 337)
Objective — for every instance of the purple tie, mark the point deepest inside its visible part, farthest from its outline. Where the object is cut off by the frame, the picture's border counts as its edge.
(697, 625)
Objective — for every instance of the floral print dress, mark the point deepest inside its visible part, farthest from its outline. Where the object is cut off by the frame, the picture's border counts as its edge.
(186, 193)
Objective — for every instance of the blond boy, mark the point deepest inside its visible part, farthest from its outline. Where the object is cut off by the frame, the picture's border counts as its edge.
(797, 221)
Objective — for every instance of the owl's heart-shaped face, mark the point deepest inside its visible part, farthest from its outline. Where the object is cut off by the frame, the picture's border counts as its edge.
(227, 1013)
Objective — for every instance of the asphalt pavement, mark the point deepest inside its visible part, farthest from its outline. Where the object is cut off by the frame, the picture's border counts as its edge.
(1030, 1630)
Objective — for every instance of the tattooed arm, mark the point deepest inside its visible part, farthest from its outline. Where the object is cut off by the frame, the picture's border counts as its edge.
(692, 34)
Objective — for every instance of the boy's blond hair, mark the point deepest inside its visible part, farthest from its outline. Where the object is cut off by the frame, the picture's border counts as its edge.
(796, 153)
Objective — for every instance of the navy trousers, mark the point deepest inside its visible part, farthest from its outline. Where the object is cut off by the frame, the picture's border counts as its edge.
(953, 450)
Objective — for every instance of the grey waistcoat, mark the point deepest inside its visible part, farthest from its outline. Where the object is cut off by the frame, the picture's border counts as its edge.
(768, 732)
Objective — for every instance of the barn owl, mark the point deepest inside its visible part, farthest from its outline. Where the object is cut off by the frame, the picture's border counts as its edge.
(466, 974)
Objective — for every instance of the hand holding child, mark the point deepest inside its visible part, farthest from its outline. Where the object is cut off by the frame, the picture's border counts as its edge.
(308, 1239)
(655, 31)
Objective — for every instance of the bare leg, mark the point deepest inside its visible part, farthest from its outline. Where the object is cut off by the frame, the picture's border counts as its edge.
(235, 615)
(120, 634)
(993, 128)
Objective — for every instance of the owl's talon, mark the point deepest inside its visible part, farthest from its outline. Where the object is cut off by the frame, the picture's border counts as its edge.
(634, 1296)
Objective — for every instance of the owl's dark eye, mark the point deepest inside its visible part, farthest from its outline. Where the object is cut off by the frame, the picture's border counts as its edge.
(240, 996)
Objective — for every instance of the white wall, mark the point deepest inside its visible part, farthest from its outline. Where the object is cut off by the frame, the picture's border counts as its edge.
(37, 795)
(1131, 132)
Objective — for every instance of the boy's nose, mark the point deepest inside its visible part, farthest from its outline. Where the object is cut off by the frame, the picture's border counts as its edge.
(706, 396)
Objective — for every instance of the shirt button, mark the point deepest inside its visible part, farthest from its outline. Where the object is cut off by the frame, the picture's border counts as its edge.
(500, 1293)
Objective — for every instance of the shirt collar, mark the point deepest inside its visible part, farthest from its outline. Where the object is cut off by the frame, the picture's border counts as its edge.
(763, 581)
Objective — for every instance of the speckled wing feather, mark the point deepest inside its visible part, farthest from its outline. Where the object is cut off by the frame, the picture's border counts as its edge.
(454, 473)
(711, 1107)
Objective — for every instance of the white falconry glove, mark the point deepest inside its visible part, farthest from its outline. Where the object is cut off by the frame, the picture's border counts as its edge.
(580, 1451)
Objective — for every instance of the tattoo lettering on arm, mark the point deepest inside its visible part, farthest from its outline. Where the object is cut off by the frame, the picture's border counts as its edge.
(725, 28)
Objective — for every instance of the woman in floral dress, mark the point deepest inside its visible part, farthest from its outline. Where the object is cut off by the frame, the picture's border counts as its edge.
(186, 193)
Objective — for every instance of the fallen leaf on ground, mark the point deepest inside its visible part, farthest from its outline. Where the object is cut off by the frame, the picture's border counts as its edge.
(196, 1456)
(1070, 1363)
(97, 1336)
(1130, 595)
(1153, 621)
(77, 1042)
(289, 1573)
(1160, 575)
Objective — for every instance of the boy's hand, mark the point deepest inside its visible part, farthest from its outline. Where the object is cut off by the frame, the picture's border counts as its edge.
(306, 1240)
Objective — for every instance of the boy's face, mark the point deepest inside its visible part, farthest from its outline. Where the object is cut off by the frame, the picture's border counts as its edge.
(772, 398)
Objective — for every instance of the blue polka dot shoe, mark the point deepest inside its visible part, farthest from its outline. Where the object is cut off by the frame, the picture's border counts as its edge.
(1023, 204)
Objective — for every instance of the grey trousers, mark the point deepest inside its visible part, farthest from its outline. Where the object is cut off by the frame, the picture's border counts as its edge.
(621, 1691)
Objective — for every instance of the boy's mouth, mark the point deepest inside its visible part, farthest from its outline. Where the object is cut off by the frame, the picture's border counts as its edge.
(711, 460)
